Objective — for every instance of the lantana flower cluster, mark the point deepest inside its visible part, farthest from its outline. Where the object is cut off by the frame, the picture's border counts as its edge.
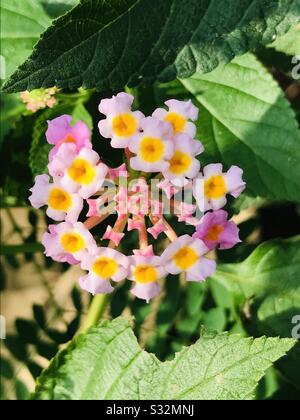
(161, 175)
(39, 98)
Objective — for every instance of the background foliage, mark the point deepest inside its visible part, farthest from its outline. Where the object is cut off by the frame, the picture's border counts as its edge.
(237, 63)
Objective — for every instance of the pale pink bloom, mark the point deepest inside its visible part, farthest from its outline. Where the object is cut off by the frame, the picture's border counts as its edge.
(157, 229)
(153, 147)
(80, 172)
(103, 265)
(120, 124)
(61, 131)
(186, 254)
(183, 163)
(217, 184)
(145, 271)
(68, 242)
(216, 231)
(111, 235)
(62, 205)
(178, 115)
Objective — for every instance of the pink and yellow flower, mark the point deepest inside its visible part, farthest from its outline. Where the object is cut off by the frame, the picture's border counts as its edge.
(178, 115)
(104, 265)
(215, 230)
(68, 241)
(183, 163)
(120, 124)
(146, 271)
(61, 131)
(62, 205)
(153, 147)
(186, 254)
(217, 184)
(81, 172)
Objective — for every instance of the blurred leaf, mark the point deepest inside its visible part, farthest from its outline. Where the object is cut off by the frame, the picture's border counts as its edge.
(16, 346)
(46, 349)
(10, 257)
(33, 217)
(76, 299)
(11, 111)
(215, 319)
(39, 315)
(2, 278)
(27, 330)
(107, 363)
(34, 368)
(73, 327)
(119, 299)
(6, 369)
(268, 385)
(22, 392)
(159, 341)
(80, 113)
(11, 250)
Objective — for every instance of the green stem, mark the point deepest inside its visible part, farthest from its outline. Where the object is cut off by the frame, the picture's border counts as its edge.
(96, 310)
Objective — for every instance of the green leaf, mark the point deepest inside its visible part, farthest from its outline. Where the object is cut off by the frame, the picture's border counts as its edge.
(246, 120)
(269, 278)
(108, 363)
(288, 43)
(106, 46)
(22, 22)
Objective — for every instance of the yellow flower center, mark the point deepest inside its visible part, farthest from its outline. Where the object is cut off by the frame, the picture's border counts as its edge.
(180, 163)
(124, 125)
(214, 232)
(72, 242)
(215, 187)
(185, 258)
(59, 199)
(145, 274)
(152, 149)
(81, 171)
(105, 267)
(178, 121)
